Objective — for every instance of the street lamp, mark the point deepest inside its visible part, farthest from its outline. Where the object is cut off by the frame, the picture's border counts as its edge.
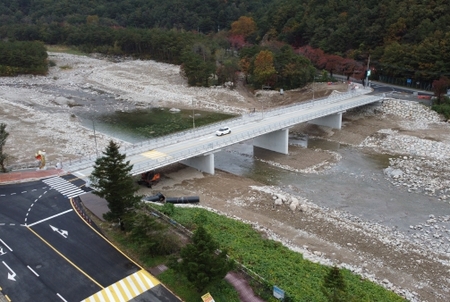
(193, 115)
(314, 81)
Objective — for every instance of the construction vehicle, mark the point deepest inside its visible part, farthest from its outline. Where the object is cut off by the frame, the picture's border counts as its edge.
(149, 178)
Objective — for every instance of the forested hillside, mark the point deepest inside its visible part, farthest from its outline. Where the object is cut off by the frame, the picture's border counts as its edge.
(201, 15)
(405, 39)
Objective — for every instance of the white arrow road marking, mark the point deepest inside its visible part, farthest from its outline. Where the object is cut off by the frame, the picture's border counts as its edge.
(63, 233)
(6, 245)
(2, 252)
(12, 274)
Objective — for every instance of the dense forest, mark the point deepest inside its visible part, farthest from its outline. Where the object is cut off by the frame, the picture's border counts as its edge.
(403, 39)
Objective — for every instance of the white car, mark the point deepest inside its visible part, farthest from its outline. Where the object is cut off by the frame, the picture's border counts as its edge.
(223, 131)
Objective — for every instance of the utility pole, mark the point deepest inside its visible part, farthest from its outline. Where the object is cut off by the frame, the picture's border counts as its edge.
(367, 73)
(95, 138)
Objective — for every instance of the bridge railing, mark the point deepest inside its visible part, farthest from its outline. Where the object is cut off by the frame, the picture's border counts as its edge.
(244, 118)
(159, 142)
(236, 138)
(321, 101)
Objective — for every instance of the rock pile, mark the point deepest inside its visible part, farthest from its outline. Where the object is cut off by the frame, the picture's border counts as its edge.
(420, 164)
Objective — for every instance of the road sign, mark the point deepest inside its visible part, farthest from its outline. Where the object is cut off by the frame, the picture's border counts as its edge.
(278, 292)
(207, 298)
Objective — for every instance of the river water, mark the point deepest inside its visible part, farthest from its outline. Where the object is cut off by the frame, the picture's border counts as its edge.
(356, 185)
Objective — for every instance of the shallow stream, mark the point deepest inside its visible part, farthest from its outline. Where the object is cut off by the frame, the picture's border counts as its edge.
(356, 184)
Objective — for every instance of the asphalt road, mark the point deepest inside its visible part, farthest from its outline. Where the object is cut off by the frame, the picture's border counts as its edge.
(47, 253)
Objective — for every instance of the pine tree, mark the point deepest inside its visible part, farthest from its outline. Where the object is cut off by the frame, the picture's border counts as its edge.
(112, 181)
(3, 156)
(334, 286)
(200, 263)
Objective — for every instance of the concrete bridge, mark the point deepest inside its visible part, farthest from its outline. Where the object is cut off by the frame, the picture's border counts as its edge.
(269, 130)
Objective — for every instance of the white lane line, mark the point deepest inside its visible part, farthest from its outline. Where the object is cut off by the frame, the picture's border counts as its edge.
(37, 275)
(51, 217)
(6, 245)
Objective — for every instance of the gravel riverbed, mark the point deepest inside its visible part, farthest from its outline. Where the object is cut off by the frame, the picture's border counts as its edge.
(41, 113)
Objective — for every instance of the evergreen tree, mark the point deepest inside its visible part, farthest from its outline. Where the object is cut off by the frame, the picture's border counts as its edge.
(112, 180)
(151, 236)
(334, 286)
(3, 156)
(200, 263)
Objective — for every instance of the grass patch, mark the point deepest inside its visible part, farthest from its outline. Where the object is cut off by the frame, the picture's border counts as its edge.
(222, 292)
(65, 67)
(64, 49)
(301, 279)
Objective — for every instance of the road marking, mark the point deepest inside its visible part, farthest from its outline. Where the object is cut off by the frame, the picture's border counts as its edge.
(64, 187)
(63, 233)
(6, 245)
(65, 258)
(11, 273)
(61, 297)
(48, 218)
(155, 154)
(32, 271)
(126, 289)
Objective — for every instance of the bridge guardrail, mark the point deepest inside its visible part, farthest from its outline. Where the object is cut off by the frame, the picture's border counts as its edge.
(159, 142)
(236, 138)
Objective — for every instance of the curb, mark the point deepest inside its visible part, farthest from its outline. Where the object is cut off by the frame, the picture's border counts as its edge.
(28, 175)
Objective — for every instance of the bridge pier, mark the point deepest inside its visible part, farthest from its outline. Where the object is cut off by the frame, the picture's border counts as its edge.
(332, 121)
(203, 163)
(277, 141)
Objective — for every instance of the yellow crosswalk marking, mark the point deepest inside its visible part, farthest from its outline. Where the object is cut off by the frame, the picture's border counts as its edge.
(154, 154)
(125, 289)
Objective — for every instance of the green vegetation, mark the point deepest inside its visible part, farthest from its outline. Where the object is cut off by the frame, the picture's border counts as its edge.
(112, 181)
(221, 291)
(155, 122)
(443, 108)
(22, 57)
(301, 279)
(405, 39)
(65, 67)
(64, 49)
(334, 286)
(199, 262)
